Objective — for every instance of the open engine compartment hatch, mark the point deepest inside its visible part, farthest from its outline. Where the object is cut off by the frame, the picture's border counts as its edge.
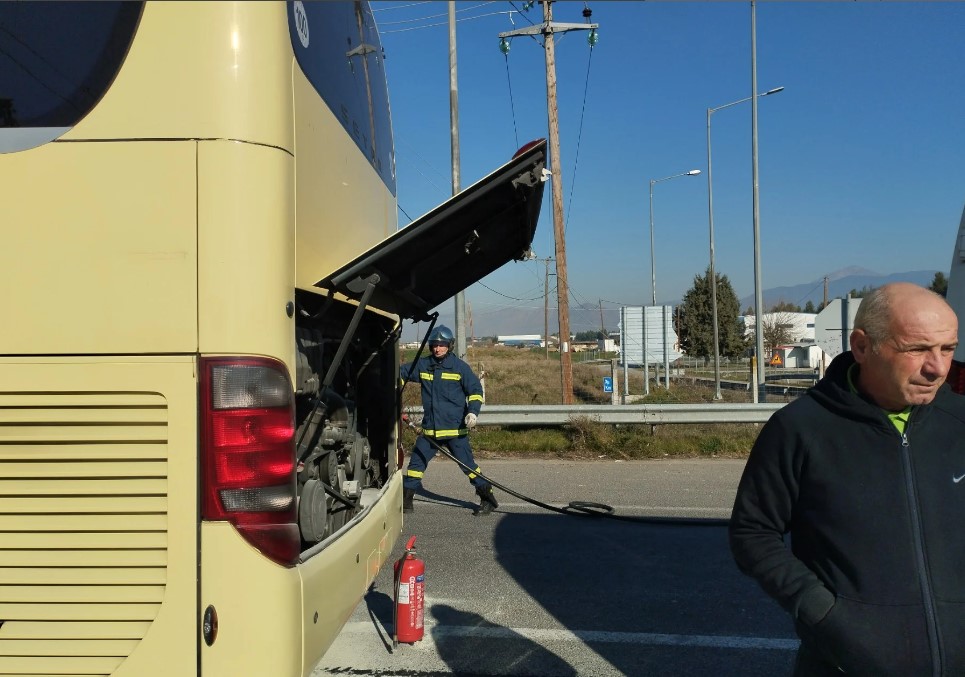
(454, 245)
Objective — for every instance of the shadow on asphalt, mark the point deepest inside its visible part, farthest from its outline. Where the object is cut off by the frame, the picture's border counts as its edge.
(600, 575)
(473, 642)
(424, 494)
(462, 638)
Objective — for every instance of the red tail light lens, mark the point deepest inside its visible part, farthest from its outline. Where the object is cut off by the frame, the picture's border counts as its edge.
(248, 452)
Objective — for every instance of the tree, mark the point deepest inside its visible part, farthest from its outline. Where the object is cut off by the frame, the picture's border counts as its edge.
(809, 307)
(695, 326)
(861, 293)
(785, 307)
(778, 331)
(939, 285)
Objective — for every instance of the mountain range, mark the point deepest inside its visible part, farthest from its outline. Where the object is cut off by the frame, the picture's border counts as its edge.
(513, 321)
(839, 284)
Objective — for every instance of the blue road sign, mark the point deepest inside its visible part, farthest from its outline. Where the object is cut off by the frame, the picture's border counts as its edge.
(608, 384)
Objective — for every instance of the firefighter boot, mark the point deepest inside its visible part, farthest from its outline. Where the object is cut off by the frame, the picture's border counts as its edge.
(487, 500)
(407, 495)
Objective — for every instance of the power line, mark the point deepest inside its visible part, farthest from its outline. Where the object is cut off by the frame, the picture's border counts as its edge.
(621, 303)
(442, 23)
(383, 8)
(809, 291)
(511, 298)
(512, 103)
(579, 136)
(431, 16)
(522, 13)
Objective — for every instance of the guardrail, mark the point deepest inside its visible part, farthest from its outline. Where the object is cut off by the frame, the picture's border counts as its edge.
(648, 414)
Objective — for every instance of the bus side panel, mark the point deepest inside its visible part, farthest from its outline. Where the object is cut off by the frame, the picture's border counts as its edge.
(344, 208)
(109, 242)
(258, 604)
(98, 505)
(332, 588)
(246, 241)
(201, 70)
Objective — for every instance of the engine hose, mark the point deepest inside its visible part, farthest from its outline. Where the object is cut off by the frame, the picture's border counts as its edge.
(576, 508)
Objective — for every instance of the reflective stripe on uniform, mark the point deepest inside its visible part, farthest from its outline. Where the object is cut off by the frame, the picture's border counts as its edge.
(425, 376)
(445, 433)
(472, 475)
(414, 473)
(447, 376)
(475, 397)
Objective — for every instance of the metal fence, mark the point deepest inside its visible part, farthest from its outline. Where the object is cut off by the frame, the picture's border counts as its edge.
(647, 414)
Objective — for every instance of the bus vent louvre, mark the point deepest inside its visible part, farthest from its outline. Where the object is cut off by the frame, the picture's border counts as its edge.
(79, 588)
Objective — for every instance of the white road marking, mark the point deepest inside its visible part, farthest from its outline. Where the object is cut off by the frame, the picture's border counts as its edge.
(435, 631)
(672, 510)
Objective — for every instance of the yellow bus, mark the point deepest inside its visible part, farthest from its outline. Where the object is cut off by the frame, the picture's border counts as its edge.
(203, 288)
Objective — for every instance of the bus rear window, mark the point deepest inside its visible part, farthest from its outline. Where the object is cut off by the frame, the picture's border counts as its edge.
(56, 61)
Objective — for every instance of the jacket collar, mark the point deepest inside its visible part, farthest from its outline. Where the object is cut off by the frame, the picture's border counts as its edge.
(834, 392)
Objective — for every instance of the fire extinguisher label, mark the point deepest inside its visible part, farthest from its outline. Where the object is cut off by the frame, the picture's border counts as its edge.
(403, 593)
(422, 577)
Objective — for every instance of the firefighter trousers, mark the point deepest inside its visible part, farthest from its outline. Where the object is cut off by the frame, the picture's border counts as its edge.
(424, 451)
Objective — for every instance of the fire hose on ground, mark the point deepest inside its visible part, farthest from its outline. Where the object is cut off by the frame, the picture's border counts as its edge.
(588, 509)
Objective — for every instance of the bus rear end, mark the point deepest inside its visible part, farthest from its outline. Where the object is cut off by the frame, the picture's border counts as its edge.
(98, 374)
(159, 367)
(204, 290)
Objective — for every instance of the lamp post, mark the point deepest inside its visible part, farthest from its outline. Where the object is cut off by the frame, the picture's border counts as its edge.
(653, 279)
(710, 218)
(653, 270)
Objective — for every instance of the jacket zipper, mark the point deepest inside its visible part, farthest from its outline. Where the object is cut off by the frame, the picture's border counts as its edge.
(924, 580)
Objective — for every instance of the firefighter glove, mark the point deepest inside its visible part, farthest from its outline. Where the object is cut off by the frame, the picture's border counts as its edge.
(470, 420)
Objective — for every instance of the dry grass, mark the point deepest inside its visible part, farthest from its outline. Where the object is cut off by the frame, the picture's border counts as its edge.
(524, 376)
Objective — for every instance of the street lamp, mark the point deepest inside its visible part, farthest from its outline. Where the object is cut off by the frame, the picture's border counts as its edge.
(710, 218)
(653, 270)
(653, 289)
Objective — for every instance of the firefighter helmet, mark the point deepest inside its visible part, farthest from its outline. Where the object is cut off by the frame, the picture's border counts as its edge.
(441, 335)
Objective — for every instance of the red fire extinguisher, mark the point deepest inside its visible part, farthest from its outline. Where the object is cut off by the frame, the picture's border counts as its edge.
(410, 575)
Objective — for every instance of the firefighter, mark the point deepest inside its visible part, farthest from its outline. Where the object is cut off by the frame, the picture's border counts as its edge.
(451, 400)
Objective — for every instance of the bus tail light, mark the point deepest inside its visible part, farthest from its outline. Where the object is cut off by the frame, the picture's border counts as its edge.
(248, 452)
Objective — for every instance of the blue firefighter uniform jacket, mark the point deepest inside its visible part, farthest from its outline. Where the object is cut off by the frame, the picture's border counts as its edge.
(450, 390)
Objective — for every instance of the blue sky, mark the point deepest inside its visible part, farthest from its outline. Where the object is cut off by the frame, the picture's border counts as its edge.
(861, 158)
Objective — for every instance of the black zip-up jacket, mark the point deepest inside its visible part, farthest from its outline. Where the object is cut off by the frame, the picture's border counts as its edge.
(874, 575)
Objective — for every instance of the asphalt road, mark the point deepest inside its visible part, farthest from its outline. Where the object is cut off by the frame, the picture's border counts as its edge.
(529, 592)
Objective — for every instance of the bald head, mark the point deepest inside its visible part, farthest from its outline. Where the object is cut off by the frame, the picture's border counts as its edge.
(904, 337)
(880, 308)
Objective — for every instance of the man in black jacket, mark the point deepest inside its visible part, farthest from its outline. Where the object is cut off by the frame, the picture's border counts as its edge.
(866, 473)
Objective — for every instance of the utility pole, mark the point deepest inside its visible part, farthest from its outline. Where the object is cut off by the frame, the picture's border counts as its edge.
(602, 325)
(824, 355)
(472, 331)
(547, 30)
(758, 284)
(460, 310)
